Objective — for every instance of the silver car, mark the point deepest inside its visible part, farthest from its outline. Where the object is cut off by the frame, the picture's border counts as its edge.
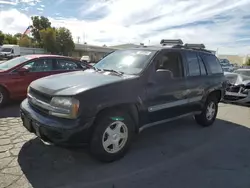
(238, 87)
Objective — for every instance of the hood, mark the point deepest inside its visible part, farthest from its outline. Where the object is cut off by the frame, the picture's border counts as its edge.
(75, 82)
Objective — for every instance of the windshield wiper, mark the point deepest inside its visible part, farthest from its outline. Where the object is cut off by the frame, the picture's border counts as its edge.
(91, 67)
(114, 71)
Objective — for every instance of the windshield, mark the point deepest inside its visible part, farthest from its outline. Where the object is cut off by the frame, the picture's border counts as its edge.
(243, 72)
(126, 61)
(13, 62)
(6, 50)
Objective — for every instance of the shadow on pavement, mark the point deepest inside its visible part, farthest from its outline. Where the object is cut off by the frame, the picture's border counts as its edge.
(10, 110)
(178, 154)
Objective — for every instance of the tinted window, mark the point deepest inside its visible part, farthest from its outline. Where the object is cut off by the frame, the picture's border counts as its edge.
(127, 61)
(171, 61)
(193, 64)
(213, 63)
(202, 66)
(65, 64)
(39, 65)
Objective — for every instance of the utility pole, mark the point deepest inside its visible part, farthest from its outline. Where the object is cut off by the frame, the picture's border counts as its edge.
(83, 37)
(78, 39)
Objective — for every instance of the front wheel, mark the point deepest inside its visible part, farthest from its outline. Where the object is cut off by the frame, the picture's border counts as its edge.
(209, 113)
(112, 136)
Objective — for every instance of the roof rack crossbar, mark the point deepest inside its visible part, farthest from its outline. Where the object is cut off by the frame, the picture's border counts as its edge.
(165, 42)
(199, 46)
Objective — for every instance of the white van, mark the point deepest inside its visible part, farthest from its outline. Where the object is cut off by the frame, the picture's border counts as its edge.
(9, 51)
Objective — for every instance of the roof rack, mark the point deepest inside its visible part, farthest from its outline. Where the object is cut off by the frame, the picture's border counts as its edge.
(198, 46)
(165, 42)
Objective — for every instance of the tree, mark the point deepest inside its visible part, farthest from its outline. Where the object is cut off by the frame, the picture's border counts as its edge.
(1, 38)
(25, 41)
(247, 62)
(9, 39)
(18, 36)
(48, 38)
(64, 41)
(39, 23)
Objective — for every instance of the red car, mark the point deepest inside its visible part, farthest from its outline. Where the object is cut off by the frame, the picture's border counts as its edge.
(16, 74)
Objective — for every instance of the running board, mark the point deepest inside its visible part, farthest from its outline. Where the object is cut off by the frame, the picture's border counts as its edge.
(167, 120)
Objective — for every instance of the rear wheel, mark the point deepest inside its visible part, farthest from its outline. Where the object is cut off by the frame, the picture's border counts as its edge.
(112, 136)
(209, 113)
(3, 96)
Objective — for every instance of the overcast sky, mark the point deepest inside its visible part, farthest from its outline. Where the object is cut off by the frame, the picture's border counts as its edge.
(222, 24)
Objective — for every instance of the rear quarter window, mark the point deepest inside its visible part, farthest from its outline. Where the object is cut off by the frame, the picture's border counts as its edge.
(212, 63)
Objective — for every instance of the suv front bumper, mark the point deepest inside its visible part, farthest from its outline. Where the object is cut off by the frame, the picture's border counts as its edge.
(55, 130)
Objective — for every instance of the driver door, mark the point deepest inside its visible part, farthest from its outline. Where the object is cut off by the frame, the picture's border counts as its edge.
(167, 98)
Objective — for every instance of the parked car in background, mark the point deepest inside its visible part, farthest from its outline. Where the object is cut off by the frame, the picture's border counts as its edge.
(238, 87)
(125, 92)
(226, 65)
(16, 74)
(9, 51)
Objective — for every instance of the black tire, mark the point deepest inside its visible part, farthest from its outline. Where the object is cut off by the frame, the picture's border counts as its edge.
(202, 118)
(104, 120)
(4, 95)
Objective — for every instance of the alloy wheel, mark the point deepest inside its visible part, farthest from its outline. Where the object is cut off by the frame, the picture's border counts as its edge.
(115, 137)
(210, 112)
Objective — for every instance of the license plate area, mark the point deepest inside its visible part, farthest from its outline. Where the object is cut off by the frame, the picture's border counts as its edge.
(31, 126)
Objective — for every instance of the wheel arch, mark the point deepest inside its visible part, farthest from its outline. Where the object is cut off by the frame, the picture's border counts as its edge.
(216, 93)
(5, 88)
(130, 108)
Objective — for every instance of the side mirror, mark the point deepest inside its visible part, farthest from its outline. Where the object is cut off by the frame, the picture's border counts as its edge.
(163, 74)
(22, 70)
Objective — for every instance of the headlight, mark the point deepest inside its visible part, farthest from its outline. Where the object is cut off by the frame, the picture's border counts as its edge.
(65, 107)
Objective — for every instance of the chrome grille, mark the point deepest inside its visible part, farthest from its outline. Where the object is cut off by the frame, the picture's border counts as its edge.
(40, 96)
(39, 101)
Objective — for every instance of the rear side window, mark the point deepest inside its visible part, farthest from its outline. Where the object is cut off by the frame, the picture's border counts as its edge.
(202, 66)
(213, 63)
(65, 64)
(193, 64)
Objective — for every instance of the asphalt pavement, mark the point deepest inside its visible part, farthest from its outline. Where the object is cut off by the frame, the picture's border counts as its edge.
(179, 154)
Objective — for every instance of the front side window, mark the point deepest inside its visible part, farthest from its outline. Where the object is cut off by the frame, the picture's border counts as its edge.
(13, 62)
(193, 64)
(126, 61)
(40, 65)
(171, 61)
